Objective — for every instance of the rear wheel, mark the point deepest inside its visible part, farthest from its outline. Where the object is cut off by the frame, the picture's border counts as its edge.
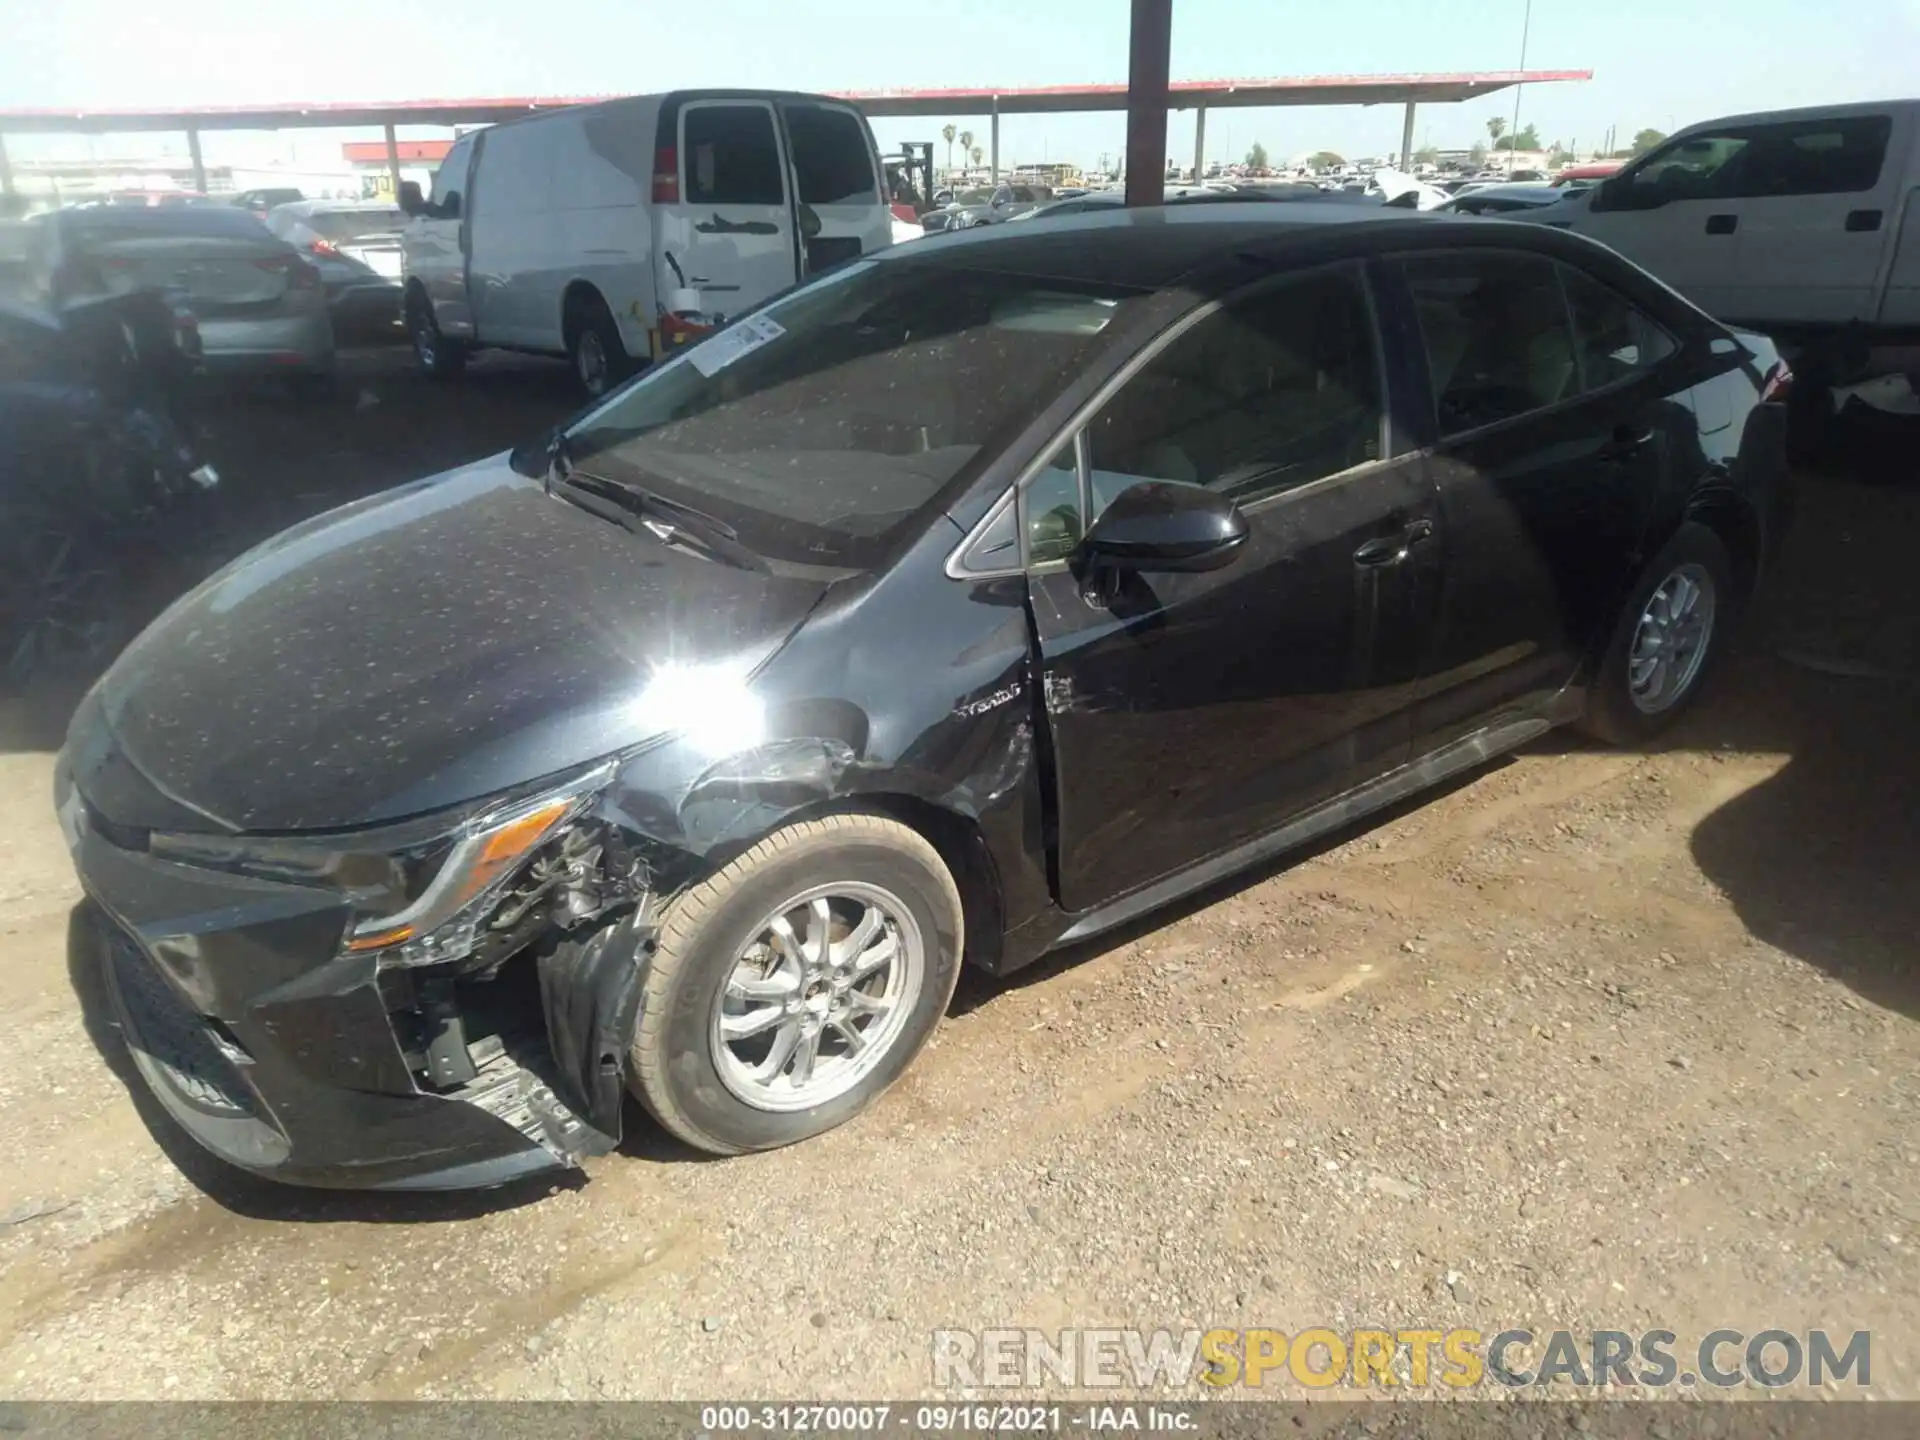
(796, 984)
(1665, 641)
(439, 357)
(594, 346)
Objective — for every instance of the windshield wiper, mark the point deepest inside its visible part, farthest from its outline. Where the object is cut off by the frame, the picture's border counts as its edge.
(673, 522)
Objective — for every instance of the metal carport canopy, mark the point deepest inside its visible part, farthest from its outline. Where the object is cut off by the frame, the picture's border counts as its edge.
(1012, 100)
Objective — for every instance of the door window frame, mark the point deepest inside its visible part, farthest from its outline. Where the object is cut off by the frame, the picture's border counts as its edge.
(1361, 269)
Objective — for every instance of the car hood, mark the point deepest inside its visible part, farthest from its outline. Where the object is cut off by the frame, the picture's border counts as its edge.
(416, 650)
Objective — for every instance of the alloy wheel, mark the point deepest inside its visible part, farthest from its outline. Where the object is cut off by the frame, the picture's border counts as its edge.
(1670, 641)
(818, 997)
(590, 360)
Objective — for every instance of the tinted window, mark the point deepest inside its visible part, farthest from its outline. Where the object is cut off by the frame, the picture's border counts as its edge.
(1613, 339)
(830, 157)
(731, 156)
(1275, 391)
(1497, 335)
(824, 423)
(1813, 157)
(451, 178)
(1689, 169)
(352, 224)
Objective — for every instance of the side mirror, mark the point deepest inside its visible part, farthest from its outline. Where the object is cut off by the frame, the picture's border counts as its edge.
(1160, 526)
(1606, 195)
(411, 200)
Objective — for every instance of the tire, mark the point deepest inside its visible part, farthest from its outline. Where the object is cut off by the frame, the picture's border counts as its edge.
(594, 347)
(699, 1086)
(1621, 712)
(439, 357)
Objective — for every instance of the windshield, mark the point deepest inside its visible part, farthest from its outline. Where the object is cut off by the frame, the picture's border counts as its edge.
(820, 426)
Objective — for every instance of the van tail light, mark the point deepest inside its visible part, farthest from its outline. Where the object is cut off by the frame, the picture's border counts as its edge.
(666, 176)
(1778, 386)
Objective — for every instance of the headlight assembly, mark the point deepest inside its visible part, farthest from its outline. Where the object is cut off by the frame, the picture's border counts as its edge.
(420, 890)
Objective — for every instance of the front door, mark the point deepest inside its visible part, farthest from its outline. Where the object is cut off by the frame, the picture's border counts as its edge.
(434, 243)
(1192, 712)
(1554, 434)
(728, 242)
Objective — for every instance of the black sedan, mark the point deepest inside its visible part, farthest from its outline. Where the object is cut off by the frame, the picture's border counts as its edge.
(963, 602)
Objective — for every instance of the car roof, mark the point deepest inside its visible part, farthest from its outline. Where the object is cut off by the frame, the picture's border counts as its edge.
(1805, 112)
(1150, 248)
(337, 207)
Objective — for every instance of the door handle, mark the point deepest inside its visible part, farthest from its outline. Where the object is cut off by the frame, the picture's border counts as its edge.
(1392, 549)
(1625, 443)
(1860, 220)
(1722, 224)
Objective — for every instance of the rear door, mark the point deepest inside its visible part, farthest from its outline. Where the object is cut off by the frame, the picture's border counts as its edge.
(1554, 432)
(1817, 203)
(434, 245)
(1193, 712)
(728, 242)
(842, 213)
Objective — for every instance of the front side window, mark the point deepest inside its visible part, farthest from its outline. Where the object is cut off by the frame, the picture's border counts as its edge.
(451, 178)
(1497, 335)
(823, 424)
(1050, 509)
(1275, 390)
(1614, 339)
(731, 156)
(1686, 169)
(830, 160)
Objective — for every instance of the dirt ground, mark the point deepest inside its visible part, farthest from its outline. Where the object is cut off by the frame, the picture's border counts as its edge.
(1590, 1039)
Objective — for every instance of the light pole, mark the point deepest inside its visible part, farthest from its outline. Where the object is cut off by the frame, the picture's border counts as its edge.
(1513, 136)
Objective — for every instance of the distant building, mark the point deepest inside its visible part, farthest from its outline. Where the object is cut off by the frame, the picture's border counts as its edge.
(369, 163)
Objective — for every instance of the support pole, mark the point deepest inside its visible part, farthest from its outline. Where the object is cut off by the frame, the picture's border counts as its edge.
(1149, 47)
(1199, 143)
(6, 169)
(393, 162)
(199, 164)
(1406, 139)
(993, 142)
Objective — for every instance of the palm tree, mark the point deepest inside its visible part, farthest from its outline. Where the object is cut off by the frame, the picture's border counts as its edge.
(977, 153)
(946, 134)
(966, 146)
(1496, 127)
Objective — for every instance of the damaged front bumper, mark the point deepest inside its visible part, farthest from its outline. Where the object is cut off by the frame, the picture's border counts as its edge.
(287, 1058)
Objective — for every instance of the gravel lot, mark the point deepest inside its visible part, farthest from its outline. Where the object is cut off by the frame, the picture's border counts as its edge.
(1591, 1039)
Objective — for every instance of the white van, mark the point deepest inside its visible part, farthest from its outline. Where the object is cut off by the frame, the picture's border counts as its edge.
(609, 233)
(1801, 223)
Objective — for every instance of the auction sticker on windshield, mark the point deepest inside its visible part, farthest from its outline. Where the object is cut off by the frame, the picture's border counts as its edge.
(720, 351)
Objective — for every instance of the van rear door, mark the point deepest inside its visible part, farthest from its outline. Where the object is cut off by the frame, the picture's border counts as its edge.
(842, 209)
(723, 210)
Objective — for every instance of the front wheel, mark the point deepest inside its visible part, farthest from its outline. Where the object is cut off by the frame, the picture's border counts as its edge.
(1665, 641)
(797, 983)
(439, 357)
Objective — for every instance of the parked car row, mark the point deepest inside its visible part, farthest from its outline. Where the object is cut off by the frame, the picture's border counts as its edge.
(954, 605)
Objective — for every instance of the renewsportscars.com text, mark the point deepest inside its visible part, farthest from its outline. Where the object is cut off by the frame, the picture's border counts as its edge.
(1456, 1359)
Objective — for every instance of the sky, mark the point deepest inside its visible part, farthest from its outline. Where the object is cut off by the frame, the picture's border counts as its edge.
(1656, 63)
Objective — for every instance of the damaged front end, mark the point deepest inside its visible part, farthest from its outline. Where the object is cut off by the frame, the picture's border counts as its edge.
(432, 1005)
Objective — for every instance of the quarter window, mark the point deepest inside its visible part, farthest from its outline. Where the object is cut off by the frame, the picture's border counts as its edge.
(1497, 335)
(1613, 339)
(1272, 392)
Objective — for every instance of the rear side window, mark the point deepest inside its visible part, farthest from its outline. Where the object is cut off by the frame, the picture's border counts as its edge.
(1814, 157)
(731, 156)
(1614, 339)
(117, 221)
(830, 158)
(1497, 334)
